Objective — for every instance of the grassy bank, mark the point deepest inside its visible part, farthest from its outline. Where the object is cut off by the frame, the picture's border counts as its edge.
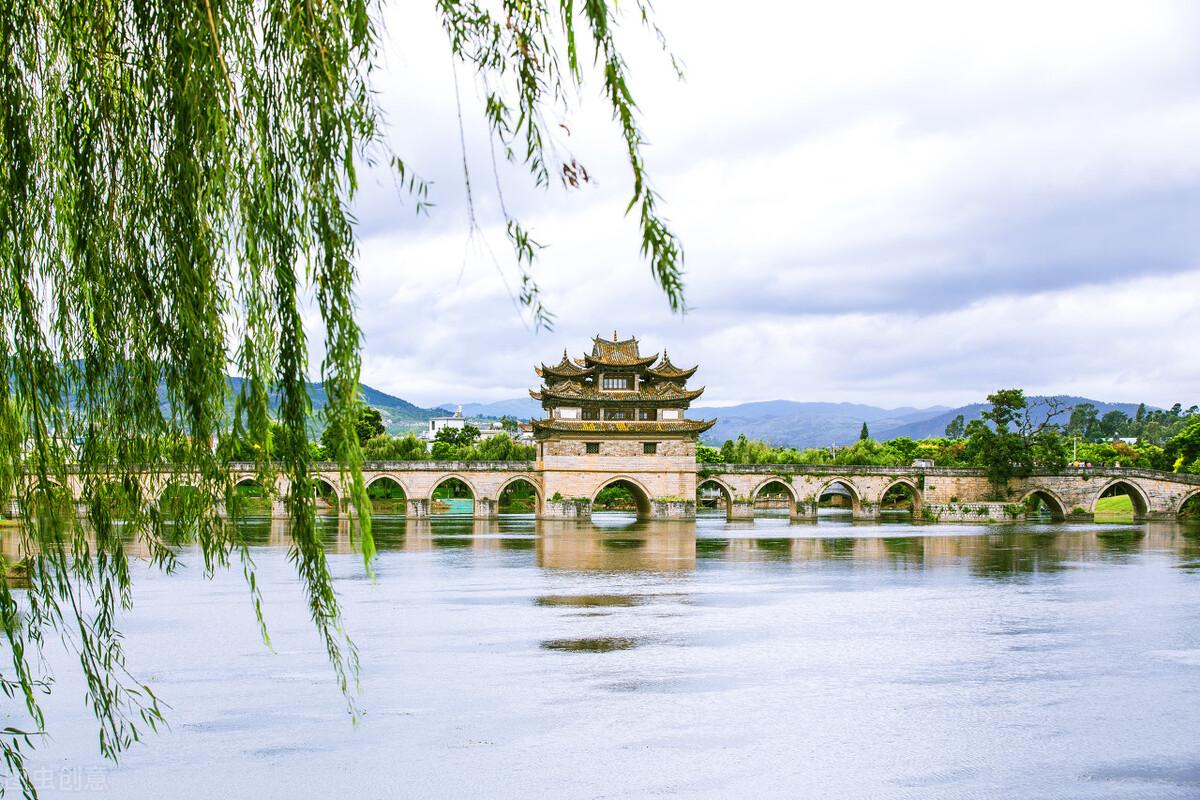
(1117, 506)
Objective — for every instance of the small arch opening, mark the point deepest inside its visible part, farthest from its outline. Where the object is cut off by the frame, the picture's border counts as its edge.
(900, 501)
(387, 496)
(712, 499)
(180, 501)
(837, 499)
(113, 500)
(774, 498)
(518, 497)
(326, 496)
(1190, 507)
(48, 499)
(1040, 504)
(250, 498)
(1120, 499)
(621, 497)
(452, 497)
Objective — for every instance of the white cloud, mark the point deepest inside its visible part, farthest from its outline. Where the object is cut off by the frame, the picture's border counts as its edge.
(893, 203)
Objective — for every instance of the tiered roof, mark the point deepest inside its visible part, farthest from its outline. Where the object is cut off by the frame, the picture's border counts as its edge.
(652, 393)
(554, 425)
(623, 353)
(668, 371)
(567, 368)
(577, 382)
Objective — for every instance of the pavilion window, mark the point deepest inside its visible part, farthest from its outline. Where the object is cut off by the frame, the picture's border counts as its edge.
(592, 448)
(618, 382)
(647, 415)
(617, 413)
(649, 448)
(591, 413)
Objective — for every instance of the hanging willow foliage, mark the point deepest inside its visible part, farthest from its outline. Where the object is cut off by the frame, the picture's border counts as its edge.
(174, 185)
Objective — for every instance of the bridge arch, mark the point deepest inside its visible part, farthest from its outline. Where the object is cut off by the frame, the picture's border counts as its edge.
(725, 491)
(1058, 509)
(773, 481)
(382, 490)
(1137, 495)
(330, 490)
(159, 490)
(177, 496)
(914, 491)
(1192, 499)
(513, 482)
(40, 496)
(391, 476)
(246, 487)
(848, 485)
(454, 476)
(640, 496)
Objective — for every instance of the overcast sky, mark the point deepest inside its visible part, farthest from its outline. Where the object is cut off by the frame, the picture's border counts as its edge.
(892, 203)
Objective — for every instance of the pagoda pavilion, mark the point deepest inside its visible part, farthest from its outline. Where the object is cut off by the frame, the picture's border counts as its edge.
(616, 416)
(617, 393)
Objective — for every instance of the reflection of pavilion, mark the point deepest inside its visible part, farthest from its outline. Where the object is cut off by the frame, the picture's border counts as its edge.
(665, 547)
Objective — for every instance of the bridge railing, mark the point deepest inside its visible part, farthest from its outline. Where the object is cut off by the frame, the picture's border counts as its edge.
(870, 469)
(414, 466)
(831, 469)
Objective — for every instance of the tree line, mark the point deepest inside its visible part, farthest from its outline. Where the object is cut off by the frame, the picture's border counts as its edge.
(1013, 437)
(450, 444)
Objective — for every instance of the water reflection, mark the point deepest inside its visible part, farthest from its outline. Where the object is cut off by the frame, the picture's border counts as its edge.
(623, 544)
(620, 543)
(590, 600)
(633, 659)
(601, 644)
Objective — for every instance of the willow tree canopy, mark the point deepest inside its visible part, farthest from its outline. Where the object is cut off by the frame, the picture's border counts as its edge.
(175, 178)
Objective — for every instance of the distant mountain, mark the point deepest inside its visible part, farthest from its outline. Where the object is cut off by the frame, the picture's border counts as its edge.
(936, 425)
(398, 414)
(523, 408)
(787, 423)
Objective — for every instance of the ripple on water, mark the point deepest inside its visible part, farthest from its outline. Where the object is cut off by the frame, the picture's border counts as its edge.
(1178, 774)
(590, 600)
(600, 644)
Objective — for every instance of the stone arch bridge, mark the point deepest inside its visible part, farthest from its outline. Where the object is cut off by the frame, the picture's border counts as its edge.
(937, 493)
(948, 494)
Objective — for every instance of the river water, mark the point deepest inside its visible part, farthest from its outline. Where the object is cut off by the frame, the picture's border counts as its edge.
(515, 658)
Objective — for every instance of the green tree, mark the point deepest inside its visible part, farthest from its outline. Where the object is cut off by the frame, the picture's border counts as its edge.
(458, 437)
(394, 448)
(175, 177)
(996, 447)
(955, 428)
(1084, 421)
(1013, 437)
(864, 434)
(367, 424)
(707, 455)
(905, 449)
(443, 451)
(1114, 423)
(501, 447)
(1183, 450)
(510, 424)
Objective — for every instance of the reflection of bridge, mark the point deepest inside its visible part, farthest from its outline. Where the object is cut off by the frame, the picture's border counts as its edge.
(935, 494)
(665, 547)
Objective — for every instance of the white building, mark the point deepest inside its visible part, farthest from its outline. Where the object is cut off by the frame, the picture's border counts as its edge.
(487, 428)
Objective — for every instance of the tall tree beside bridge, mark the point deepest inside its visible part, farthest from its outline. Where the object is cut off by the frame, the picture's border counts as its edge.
(1012, 438)
(175, 179)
